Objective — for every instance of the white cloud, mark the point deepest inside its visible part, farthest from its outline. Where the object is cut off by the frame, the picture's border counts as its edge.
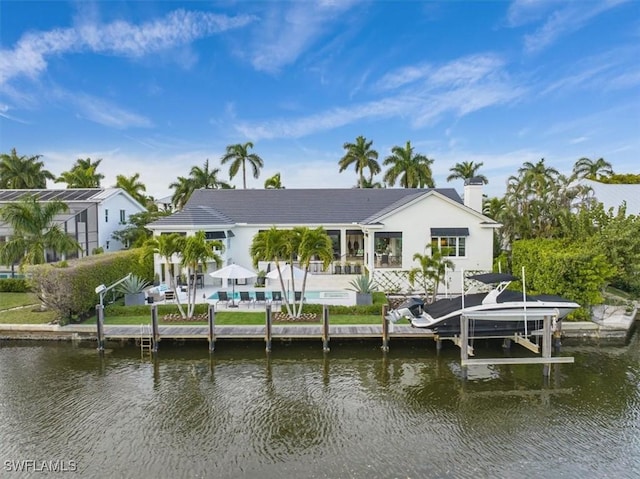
(120, 38)
(284, 34)
(459, 87)
(105, 113)
(568, 18)
(522, 12)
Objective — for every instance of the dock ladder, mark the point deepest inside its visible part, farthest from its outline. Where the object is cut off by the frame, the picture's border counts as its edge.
(146, 339)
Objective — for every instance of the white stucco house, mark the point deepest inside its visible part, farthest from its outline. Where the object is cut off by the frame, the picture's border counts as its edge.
(94, 214)
(373, 230)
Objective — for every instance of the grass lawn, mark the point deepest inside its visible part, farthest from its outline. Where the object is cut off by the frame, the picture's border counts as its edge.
(14, 300)
(234, 318)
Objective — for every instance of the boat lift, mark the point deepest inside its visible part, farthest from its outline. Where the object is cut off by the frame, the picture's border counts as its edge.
(548, 317)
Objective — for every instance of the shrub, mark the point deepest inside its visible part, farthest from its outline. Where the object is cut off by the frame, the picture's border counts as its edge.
(13, 285)
(70, 292)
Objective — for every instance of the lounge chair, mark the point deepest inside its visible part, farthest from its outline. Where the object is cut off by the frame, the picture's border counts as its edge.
(169, 295)
(260, 297)
(245, 298)
(276, 297)
(223, 297)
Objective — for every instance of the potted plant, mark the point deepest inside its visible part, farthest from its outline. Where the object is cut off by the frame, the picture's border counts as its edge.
(133, 289)
(363, 286)
(261, 279)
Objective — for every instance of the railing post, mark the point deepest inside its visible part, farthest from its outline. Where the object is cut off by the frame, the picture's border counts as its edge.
(212, 322)
(100, 326)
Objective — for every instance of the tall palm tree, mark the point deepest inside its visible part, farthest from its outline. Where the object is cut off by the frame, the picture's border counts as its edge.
(465, 171)
(183, 189)
(239, 156)
(413, 170)
(586, 168)
(362, 156)
(23, 172)
(198, 251)
(34, 232)
(82, 174)
(133, 186)
(274, 183)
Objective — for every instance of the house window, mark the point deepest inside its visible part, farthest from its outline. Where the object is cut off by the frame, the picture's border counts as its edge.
(106, 216)
(123, 217)
(388, 249)
(450, 241)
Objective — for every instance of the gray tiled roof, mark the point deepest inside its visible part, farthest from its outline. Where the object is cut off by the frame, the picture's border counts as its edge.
(293, 206)
(614, 195)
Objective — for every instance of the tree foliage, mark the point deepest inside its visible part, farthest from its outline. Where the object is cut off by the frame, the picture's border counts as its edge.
(566, 268)
(411, 170)
(34, 232)
(362, 157)
(23, 172)
(83, 174)
(238, 155)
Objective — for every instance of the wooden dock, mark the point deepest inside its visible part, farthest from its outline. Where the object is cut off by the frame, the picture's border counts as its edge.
(278, 332)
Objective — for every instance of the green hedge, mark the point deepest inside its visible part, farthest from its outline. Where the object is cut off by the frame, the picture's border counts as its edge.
(13, 285)
(69, 288)
(569, 269)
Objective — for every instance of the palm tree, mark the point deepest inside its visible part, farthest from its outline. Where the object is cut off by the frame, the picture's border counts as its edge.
(239, 156)
(82, 175)
(166, 246)
(273, 183)
(34, 232)
(133, 186)
(204, 177)
(273, 245)
(466, 170)
(413, 170)
(23, 172)
(362, 157)
(430, 272)
(586, 168)
(311, 243)
(198, 251)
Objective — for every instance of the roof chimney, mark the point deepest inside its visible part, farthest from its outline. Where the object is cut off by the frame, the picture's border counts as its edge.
(473, 193)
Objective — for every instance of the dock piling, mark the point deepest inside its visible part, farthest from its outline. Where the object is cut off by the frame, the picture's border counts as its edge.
(385, 328)
(325, 328)
(100, 326)
(267, 331)
(212, 322)
(155, 331)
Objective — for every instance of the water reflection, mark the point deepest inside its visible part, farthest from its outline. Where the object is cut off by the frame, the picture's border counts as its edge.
(355, 411)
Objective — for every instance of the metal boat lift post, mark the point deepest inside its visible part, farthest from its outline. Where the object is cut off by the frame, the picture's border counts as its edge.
(547, 317)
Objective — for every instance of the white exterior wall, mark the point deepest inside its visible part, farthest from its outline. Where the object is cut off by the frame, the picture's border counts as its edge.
(114, 204)
(416, 220)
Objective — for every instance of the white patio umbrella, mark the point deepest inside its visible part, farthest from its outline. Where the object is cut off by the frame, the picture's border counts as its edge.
(287, 275)
(233, 271)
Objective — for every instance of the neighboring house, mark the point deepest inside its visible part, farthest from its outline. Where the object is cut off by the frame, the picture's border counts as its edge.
(373, 230)
(94, 214)
(164, 204)
(614, 195)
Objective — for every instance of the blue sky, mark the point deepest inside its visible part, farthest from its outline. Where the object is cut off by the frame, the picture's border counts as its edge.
(156, 87)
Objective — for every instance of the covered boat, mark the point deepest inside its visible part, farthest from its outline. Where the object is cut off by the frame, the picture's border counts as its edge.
(511, 308)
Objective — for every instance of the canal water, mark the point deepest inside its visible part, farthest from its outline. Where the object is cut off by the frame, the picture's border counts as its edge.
(352, 413)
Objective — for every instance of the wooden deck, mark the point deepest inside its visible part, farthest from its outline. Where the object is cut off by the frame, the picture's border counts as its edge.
(278, 332)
